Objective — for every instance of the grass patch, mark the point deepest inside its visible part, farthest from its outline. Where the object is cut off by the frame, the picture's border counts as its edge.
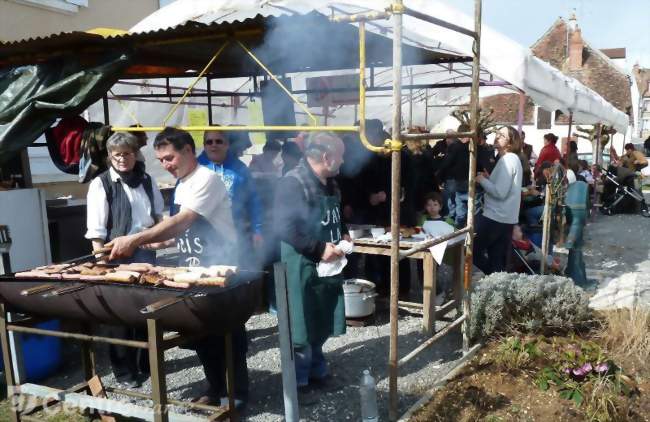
(626, 336)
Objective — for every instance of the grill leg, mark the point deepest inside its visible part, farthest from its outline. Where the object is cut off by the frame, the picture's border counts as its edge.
(230, 379)
(88, 355)
(156, 363)
(14, 415)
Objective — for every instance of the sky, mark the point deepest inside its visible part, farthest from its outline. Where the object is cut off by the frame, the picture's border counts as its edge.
(604, 23)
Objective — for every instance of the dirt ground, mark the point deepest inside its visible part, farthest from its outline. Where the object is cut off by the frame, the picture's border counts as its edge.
(484, 392)
(614, 245)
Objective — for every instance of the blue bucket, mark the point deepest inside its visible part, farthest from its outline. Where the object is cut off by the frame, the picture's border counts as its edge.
(41, 354)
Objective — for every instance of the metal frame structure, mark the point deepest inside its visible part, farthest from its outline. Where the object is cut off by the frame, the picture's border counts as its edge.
(156, 345)
(393, 147)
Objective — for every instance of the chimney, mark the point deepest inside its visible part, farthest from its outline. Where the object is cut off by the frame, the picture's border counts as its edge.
(575, 45)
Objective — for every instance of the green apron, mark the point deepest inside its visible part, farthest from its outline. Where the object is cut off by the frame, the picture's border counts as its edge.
(316, 304)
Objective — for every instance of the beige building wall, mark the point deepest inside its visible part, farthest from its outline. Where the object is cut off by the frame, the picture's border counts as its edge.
(20, 20)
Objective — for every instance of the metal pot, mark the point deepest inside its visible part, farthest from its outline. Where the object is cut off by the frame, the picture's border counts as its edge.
(359, 298)
(357, 231)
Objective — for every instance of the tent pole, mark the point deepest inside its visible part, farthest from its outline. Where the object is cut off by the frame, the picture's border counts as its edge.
(471, 205)
(426, 108)
(208, 83)
(520, 111)
(568, 137)
(395, 206)
(107, 117)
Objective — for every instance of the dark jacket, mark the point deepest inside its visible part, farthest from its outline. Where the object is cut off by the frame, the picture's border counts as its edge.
(485, 158)
(297, 197)
(455, 166)
(376, 177)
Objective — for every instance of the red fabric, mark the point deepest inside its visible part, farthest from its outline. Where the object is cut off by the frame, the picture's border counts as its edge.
(548, 153)
(524, 245)
(67, 135)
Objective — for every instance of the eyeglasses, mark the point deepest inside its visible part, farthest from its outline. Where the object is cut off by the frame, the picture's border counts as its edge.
(122, 155)
(214, 141)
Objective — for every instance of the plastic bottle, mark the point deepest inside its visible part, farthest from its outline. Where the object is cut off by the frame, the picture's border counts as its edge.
(368, 392)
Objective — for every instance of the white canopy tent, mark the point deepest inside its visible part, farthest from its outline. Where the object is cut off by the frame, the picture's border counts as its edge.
(500, 56)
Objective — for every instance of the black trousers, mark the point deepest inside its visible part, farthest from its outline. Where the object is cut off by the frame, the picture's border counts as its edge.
(128, 361)
(212, 354)
(492, 244)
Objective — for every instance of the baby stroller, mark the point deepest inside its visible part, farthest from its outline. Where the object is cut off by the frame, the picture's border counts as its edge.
(620, 194)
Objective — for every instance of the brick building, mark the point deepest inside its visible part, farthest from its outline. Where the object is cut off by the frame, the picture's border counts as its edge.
(642, 77)
(564, 48)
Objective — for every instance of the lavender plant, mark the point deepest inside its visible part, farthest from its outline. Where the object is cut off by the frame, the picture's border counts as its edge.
(502, 302)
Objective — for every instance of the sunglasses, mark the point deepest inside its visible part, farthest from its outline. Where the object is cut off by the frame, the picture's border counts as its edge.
(214, 141)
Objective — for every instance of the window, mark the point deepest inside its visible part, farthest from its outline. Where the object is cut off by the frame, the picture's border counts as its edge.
(61, 6)
(543, 118)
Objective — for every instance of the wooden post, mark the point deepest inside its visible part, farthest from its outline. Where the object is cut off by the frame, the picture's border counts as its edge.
(471, 204)
(395, 209)
(546, 228)
(14, 414)
(429, 294)
(156, 363)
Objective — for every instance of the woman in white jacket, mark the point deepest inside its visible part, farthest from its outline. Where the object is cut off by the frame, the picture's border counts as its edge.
(501, 204)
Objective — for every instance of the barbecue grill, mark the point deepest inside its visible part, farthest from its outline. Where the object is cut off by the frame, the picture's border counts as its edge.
(201, 309)
(191, 312)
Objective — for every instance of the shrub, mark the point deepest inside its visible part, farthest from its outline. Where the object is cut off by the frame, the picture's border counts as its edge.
(504, 302)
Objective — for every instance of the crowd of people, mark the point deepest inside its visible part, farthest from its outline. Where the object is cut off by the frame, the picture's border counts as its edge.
(293, 204)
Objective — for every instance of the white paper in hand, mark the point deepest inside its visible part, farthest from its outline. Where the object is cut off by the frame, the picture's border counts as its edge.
(438, 229)
(327, 269)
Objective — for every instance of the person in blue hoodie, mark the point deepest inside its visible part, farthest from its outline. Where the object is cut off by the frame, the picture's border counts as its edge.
(246, 206)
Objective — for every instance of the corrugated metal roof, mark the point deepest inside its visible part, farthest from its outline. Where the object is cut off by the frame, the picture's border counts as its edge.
(323, 46)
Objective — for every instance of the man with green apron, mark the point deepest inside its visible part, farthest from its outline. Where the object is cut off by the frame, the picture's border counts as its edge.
(308, 220)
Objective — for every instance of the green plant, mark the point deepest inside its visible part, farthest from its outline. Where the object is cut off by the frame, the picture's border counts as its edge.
(581, 372)
(517, 353)
(504, 302)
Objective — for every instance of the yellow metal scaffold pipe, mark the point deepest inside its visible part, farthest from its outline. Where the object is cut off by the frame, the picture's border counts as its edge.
(194, 82)
(314, 122)
(242, 128)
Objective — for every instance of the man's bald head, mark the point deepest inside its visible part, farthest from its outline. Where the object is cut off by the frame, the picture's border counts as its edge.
(327, 149)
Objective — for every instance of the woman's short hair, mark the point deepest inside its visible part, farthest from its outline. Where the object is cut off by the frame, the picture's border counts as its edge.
(514, 140)
(122, 140)
(177, 138)
(551, 137)
(629, 146)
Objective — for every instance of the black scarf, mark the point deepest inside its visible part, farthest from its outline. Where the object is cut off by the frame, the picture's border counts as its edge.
(133, 178)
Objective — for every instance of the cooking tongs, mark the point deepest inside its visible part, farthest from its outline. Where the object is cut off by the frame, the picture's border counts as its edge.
(46, 288)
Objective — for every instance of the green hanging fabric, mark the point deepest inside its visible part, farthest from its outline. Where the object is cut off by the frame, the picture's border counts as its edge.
(32, 97)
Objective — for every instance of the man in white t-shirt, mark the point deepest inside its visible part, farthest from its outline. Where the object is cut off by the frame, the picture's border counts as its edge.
(201, 217)
(201, 222)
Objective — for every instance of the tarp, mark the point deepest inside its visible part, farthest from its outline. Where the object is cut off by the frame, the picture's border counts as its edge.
(33, 97)
(502, 57)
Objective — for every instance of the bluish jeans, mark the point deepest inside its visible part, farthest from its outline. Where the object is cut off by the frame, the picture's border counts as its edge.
(457, 202)
(310, 363)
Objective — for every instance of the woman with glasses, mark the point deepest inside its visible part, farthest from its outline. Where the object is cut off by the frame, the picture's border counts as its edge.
(501, 203)
(124, 200)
